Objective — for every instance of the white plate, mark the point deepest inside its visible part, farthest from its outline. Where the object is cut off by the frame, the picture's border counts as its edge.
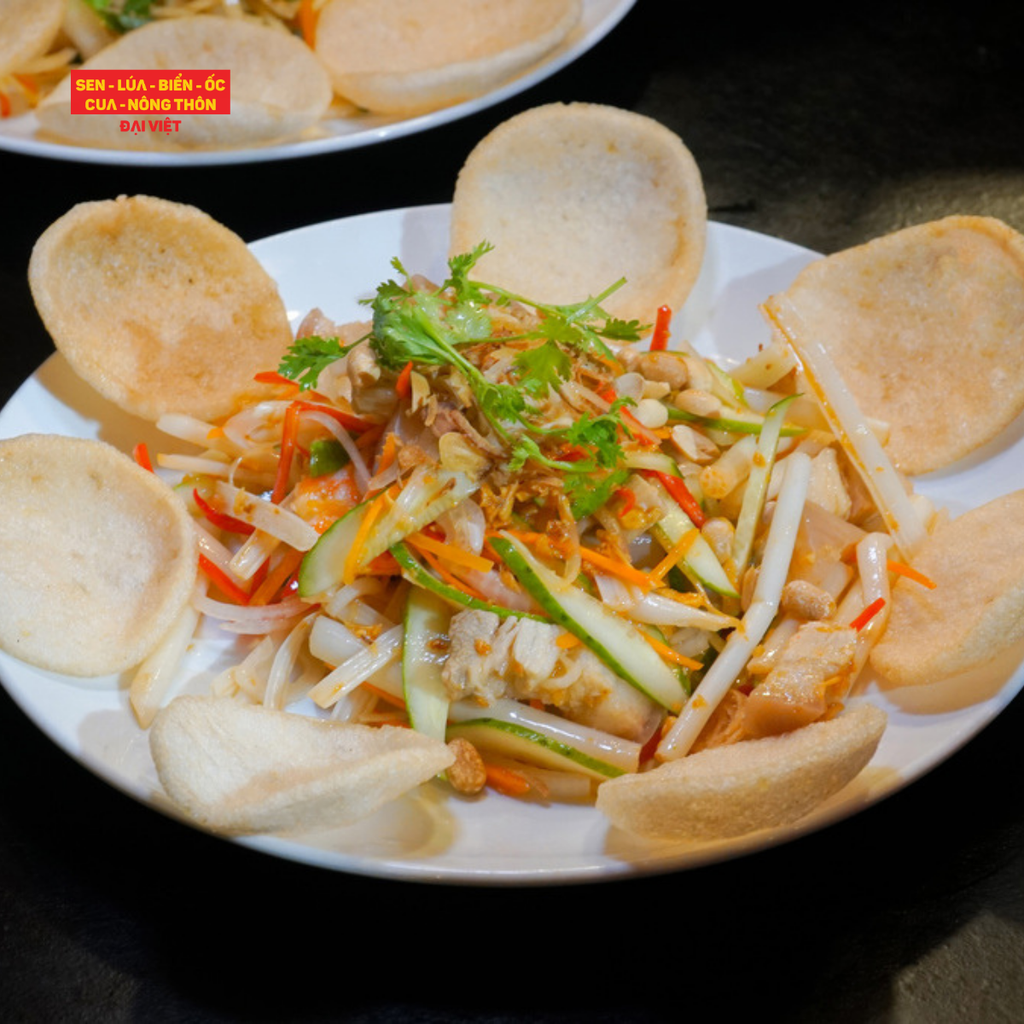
(599, 17)
(490, 840)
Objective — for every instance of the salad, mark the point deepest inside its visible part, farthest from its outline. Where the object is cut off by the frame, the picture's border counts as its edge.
(504, 524)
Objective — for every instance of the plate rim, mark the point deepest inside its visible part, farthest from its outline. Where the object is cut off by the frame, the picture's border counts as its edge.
(406, 869)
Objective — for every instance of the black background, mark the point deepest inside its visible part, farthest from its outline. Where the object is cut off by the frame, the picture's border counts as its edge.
(824, 127)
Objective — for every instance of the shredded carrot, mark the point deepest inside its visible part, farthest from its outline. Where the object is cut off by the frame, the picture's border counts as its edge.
(5, 105)
(567, 641)
(449, 578)
(449, 553)
(306, 19)
(676, 552)
(667, 653)
(860, 621)
(902, 569)
(506, 780)
(403, 386)
(371, 515)
(276, 578)
(223, 581)
(383, 695)
(388, 452)
(289, 436)
(141, 455)
(659, 340)
(617, 567)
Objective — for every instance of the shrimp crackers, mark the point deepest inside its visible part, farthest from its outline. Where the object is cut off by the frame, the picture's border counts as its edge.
(97, 556)
(408, 57)
(974, 611)
(278, 87)
(575, 196)
(157, 306)
(27, 29)
(743, 787)
(241, 768)
(926, 326)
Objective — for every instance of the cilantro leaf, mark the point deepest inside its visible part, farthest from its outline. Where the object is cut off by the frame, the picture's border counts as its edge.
(541, 367)
(587, 495)
(123, 15)
(308, 357)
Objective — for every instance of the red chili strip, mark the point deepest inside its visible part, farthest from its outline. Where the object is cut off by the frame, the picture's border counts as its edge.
(868, 614)
(345, 419)
(140, 453)
(220, 519)
(683, 496)
(659, 339)
(628, 498)
(273, 377)
(223, 581)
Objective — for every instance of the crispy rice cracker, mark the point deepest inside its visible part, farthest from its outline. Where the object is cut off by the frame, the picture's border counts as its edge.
(27, 28)
(242, 768)
(157, 305)
(731, 790)
(97, 555)
(575, 196)
(408, 57)
(926, 326)
(976, 609)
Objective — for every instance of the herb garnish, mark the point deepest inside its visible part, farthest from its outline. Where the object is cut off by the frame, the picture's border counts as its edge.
(431, 328)
(123, 15)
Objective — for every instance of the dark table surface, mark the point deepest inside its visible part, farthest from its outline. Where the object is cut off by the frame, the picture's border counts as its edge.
(823, 128)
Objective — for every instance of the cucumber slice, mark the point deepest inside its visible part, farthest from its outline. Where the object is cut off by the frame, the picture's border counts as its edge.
(735, 421)
(419, 576)
(615, 640)
(324, 564)
(699, 563)
(658, 462)
(438, 492)
(424, 650)
(517, 741)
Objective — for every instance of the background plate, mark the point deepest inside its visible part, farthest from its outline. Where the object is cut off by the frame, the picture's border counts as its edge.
(432, 836)
(598, 18)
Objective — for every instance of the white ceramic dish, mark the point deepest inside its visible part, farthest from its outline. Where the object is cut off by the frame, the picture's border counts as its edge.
(599, 17)
(434, 837)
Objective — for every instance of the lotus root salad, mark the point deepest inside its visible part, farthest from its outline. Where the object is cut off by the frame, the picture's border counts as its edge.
(510, 527)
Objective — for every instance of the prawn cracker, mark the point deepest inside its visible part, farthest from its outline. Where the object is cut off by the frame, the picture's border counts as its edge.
(278, 87)
(408, 57)
(27, 30)
(926, 326)
(974, 612)
(728, 791)
(157, 306)
(574, 197)
(243, 768)
(97, 555)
